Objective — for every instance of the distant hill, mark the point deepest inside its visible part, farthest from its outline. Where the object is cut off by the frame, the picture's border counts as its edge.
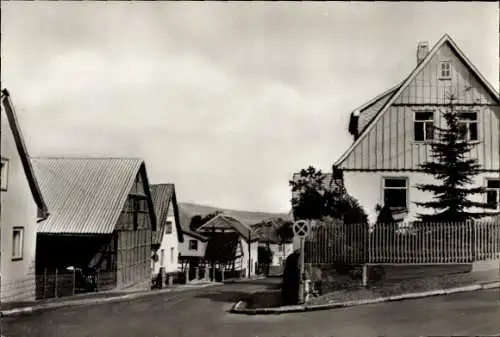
(188, 210)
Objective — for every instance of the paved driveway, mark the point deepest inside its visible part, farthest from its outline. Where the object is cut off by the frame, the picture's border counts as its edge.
(204, 313)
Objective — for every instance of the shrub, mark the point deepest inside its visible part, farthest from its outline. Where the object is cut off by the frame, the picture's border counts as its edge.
(290, 284)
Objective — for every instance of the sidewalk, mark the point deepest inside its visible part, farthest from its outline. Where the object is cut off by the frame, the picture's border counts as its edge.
(10, 309)
(269, 302)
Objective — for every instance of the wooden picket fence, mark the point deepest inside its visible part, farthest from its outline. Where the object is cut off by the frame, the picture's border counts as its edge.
(408, 243)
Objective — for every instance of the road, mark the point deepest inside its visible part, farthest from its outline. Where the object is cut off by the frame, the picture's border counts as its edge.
(203, 312)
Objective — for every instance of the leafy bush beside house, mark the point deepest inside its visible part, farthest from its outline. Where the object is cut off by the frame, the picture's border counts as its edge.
(331, 205)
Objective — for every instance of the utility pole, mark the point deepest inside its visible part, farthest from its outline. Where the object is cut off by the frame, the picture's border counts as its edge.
(249, 251)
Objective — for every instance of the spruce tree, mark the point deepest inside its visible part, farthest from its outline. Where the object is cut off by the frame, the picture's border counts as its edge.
(454, 172)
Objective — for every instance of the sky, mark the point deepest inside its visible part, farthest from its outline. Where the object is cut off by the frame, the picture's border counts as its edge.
(224, 99)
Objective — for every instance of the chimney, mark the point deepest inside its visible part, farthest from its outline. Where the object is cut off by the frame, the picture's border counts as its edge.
(422, 51)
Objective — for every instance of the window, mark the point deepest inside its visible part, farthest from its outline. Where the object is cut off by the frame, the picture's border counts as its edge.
(445, 70)
(396, 193)
(168, 227)
(280, 248)
(424, 125)
(193, 245)
(17, 243)
(162, 258)
(493, 193)
(468, 125)
(138, 210)
(4, 171)
(171, 254)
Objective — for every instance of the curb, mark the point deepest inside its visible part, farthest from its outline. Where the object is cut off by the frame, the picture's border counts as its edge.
(91, 301)
(239, 309)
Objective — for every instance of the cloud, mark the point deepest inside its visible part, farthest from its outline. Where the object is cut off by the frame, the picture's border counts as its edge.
(226, 100)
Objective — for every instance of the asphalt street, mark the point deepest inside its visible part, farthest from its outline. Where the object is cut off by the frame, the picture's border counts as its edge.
(204, 312)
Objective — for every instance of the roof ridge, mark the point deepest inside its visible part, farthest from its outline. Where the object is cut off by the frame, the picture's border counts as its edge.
(87, 157)
(162, 184)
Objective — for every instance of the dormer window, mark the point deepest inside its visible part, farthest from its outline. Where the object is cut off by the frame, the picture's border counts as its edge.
(445, 71)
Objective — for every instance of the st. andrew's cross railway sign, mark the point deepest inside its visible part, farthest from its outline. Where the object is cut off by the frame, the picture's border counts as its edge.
(301, 228)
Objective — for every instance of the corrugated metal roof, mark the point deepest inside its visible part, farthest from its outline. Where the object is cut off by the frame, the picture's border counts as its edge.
(227, 221)
(162, 196)
(85, 195)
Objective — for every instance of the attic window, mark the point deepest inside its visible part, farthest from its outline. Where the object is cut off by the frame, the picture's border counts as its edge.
(445, 70)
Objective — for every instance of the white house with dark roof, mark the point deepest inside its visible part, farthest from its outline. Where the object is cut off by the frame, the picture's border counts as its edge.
(193, 248)
(247, 249)
(22, 205)
(169, 235)
(391, 132)
(101, 221)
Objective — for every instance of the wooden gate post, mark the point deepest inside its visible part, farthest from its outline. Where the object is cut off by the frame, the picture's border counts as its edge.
(365, 275)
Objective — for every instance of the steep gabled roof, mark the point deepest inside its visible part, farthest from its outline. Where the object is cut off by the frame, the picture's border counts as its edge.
(188, 232)
(163, 196)
(86, 195)
(370, 109)
(223, 221)
(23, 154)
(400, 88)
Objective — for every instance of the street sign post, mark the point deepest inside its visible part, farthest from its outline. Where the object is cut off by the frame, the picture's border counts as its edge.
(301, 229)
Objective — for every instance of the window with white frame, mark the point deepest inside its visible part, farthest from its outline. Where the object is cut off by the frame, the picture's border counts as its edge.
(162, 258)
(468, 125)
(423, 126)
(4, 173)
(493, 193)
(445, 70)
(17, 243)
(171, 254)
(193, 245)
(395, 192)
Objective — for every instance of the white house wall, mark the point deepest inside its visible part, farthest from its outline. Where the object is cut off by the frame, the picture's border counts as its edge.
(18, 209)
(170, 247)
(254, 248)
(184, 247)
(366, 187)
(279, 257)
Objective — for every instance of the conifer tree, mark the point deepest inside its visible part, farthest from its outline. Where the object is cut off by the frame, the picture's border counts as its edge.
(454, 171)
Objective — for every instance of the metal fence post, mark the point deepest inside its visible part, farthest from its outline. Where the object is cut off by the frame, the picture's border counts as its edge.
(74, 281)
(45, 283)
(98, 280)
(55, 287)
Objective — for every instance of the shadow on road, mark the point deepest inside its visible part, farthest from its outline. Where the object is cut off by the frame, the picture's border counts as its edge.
(226, 296)
(270, 282)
